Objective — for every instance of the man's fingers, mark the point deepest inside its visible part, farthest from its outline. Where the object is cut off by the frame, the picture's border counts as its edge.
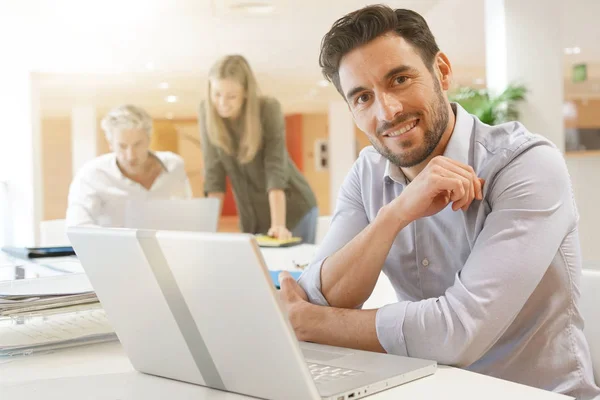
(466, 172)
(453, 186)
(291, 290)
(283, 277)
(285, 285)
(475, 183)
(461, 197)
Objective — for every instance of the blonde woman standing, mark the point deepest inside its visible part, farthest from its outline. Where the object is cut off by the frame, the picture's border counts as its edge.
(243, 138)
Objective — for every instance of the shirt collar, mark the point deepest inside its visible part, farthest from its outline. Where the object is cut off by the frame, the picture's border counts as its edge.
(117, 170)
(456, 149)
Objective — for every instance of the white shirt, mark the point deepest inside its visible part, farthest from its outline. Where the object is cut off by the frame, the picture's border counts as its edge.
(99, 192)
(494, 289)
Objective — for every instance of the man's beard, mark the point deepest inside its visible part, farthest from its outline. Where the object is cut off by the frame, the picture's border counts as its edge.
(440, 119)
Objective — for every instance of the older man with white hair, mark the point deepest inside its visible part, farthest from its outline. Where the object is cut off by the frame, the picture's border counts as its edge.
(99, 192)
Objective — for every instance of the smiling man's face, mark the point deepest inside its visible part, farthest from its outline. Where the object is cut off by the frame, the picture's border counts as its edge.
(396, 99)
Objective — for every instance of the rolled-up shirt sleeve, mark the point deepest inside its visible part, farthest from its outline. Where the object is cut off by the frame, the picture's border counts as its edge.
(349, 219)
(532, 210)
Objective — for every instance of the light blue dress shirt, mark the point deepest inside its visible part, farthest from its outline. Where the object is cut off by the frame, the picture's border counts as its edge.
(493, 289)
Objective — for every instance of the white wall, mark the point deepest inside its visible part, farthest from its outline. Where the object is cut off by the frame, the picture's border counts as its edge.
(342, 147)
(585, 175)
(5, 227)
(83, 136)
(20, 154)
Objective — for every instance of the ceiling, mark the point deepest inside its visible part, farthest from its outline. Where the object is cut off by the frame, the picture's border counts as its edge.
(116, 51)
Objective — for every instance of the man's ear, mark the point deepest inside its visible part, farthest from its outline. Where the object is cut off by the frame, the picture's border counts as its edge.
(443, 70)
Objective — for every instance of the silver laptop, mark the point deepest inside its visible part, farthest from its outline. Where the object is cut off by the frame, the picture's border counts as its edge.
(193, 215)
(201, 308)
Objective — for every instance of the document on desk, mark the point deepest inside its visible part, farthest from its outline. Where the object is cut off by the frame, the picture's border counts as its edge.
(54, 286)
(43, 333)
(31, 295)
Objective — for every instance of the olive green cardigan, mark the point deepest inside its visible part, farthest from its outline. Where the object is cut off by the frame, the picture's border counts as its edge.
(270, 169)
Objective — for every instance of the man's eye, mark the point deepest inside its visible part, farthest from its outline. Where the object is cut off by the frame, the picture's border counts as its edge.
(363, 98)
(401, 79)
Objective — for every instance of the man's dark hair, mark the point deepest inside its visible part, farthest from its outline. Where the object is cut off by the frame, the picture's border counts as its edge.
(368, 23)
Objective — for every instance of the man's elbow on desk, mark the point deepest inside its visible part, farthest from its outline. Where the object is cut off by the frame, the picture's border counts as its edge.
(448, 340)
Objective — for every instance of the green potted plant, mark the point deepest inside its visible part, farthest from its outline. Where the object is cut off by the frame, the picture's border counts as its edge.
(490, 108)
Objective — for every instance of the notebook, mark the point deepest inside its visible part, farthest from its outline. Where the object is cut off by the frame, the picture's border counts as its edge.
(39, 252)
(268, 241)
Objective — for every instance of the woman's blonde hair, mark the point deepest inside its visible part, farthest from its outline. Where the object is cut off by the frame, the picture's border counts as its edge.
(235, 67)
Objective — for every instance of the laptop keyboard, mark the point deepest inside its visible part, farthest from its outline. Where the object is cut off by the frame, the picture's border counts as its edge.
(327, 373)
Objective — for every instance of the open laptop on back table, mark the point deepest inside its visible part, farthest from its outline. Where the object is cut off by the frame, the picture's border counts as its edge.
(201, 308)
(193, 215)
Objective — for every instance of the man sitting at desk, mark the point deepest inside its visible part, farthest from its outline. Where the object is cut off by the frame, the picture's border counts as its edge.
(474, 225)
(99, 192)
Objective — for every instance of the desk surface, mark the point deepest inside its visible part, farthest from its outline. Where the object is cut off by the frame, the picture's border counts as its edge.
(70, 373)
(53, 375)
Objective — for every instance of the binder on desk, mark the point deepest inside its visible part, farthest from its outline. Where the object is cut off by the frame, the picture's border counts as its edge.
(50, 313)
(39, 252)
(268, 241)
(46, 332)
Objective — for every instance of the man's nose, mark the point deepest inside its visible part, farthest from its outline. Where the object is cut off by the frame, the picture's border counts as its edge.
(389, 107)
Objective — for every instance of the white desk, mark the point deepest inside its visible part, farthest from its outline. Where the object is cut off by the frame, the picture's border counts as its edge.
(28, 378)
(70, 373)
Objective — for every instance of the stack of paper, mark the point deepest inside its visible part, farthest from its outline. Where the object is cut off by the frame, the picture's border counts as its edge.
(50, 313)
(31, 295)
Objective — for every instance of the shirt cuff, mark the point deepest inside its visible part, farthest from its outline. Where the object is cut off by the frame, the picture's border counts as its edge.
(310, 281)
(212, 187)
(276, 183)
(389, 322)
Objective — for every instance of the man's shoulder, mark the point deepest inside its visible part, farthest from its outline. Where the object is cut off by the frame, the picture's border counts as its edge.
(171, 160)
(96, 172)
(508, 139)
(512, 147)
(100, 163)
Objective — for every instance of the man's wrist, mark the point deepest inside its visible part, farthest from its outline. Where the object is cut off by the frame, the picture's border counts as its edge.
(305, 317)
(393, 213)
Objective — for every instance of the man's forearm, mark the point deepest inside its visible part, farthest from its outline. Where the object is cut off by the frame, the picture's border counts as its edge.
(338, 327)
(349, 275)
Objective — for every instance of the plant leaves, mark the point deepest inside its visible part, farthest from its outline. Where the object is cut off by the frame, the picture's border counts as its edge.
(490, 109)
